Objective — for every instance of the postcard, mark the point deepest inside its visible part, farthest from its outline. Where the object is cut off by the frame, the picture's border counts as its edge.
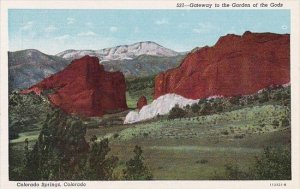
(153, 94)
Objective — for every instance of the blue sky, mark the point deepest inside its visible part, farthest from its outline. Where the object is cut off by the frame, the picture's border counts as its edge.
(53, 31)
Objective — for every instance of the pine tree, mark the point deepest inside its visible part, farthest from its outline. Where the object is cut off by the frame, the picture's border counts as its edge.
(135, 168)
(98, 166)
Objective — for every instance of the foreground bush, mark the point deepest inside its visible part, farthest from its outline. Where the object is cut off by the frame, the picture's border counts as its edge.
(273, 164)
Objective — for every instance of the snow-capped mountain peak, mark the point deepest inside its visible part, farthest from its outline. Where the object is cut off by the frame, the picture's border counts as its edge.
(121, 52)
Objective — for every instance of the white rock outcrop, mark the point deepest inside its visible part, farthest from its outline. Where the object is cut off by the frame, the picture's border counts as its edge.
(160, 106)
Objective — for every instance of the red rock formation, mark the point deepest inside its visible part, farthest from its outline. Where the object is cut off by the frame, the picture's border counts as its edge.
(84, 88)
(235, 65)
(141, 102)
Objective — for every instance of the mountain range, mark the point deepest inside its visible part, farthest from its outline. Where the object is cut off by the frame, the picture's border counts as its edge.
(28, 67)
(122, 52)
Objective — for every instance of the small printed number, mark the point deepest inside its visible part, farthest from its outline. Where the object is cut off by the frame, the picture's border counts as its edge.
(277, 184)
(180, 5)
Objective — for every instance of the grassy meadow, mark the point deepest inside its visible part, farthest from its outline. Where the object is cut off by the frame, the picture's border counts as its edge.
(188, 148)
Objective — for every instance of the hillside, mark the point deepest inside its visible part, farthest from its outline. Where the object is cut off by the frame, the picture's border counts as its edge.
(28, 67)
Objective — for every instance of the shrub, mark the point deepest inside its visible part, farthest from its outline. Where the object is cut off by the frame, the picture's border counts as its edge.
(277, 96)
(176, 112)
(93, 138)
(135, 168)
(145, 134)
(239, 136)
(274, 164)
(225, 132)
(233, 172)
(195, 108)
(219, 108)
(235, 100)
(285, 122)
(203, 161)
(187, 107)
(275, 123)
(206, 109)
(262, 125)
(263, 96)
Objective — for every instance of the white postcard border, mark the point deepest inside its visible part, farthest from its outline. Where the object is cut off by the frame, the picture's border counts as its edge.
(293, 6)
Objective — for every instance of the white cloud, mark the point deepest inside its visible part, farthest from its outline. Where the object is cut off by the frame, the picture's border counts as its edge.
(113, 29)
(162, 22)
(70, 21)
(63, 37)
(50, 29)
(89, 33)
(204, 28)
(27, 26)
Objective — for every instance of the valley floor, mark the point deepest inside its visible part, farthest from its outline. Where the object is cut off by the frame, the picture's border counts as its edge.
(196, 148)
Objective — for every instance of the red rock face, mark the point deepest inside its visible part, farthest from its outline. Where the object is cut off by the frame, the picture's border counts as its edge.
(235, 65)
(141, 102)
(84, 88)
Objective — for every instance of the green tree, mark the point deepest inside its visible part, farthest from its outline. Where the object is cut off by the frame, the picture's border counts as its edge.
(60, 148)
(98, 165)
(62, 153)
(135, 168)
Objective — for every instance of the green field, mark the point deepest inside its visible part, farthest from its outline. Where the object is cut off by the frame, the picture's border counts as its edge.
(193, 148)
(175, 149)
